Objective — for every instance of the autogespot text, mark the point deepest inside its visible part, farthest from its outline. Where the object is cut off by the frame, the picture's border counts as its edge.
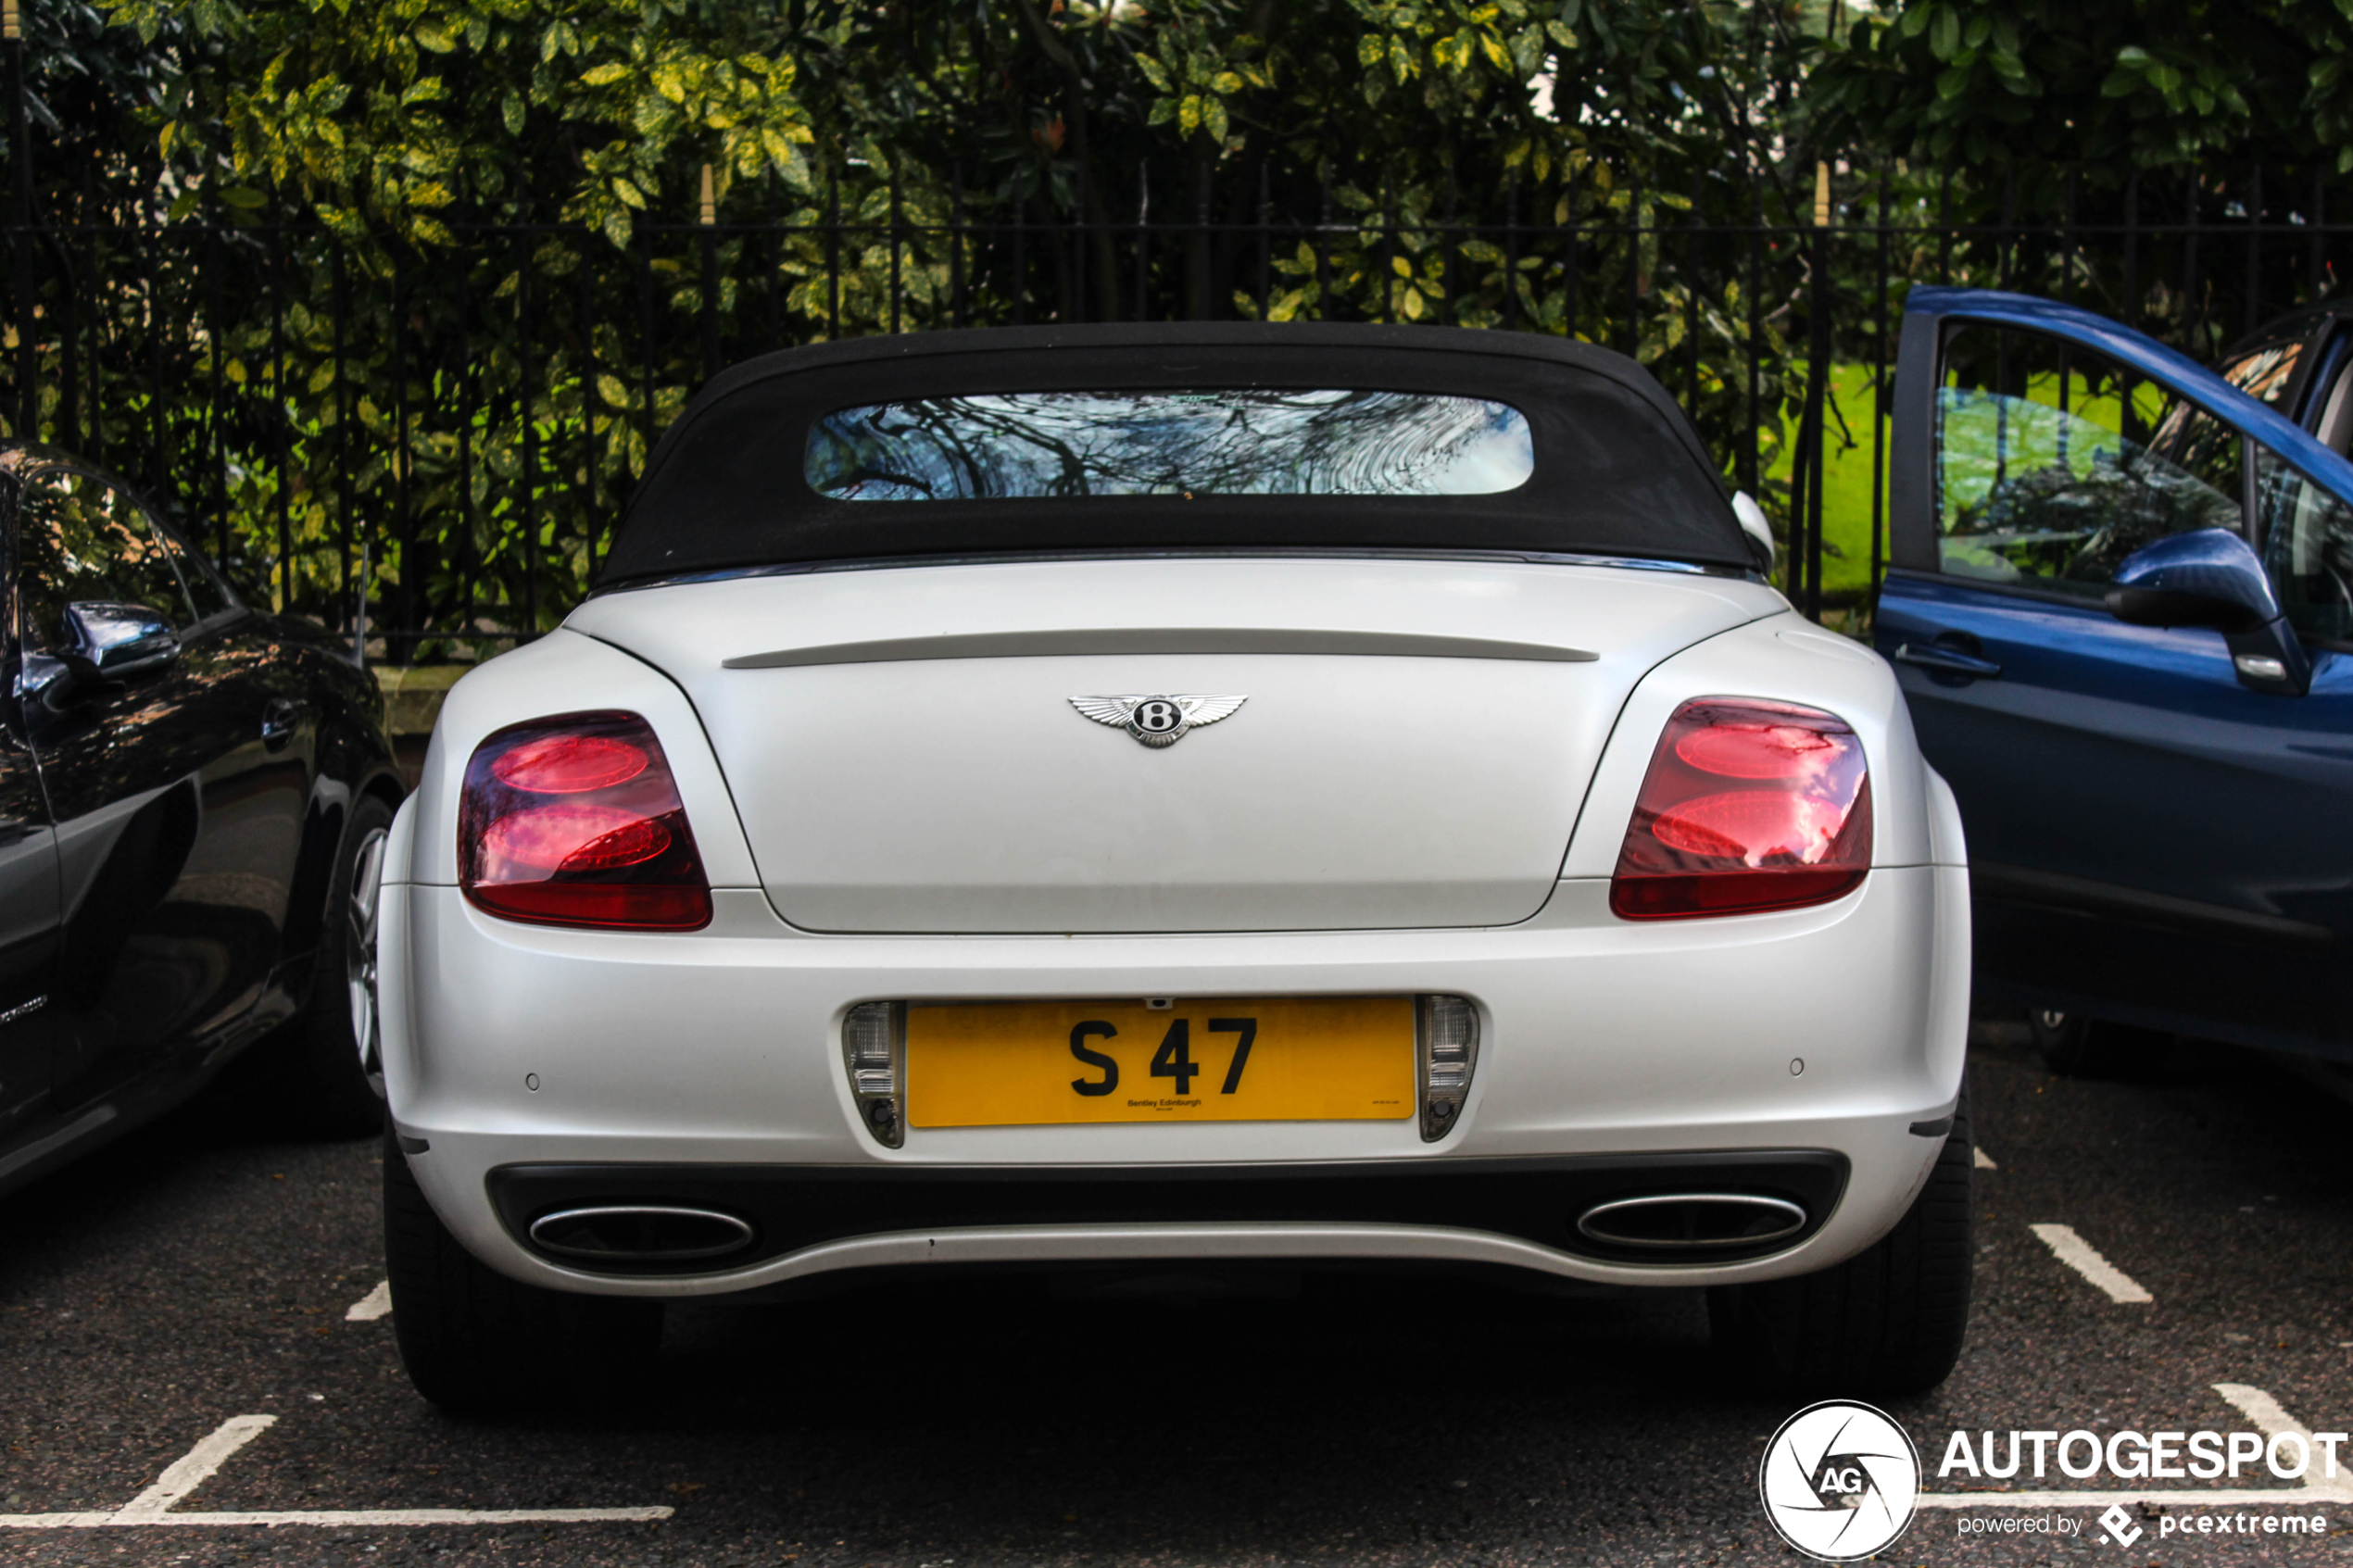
(2135, 1455)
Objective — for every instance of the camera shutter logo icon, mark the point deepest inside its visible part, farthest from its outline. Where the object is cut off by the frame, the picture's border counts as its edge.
(1840, 1480)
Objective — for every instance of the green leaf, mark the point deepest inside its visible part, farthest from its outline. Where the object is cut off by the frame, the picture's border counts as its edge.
(1945, 32)
(1188, 115)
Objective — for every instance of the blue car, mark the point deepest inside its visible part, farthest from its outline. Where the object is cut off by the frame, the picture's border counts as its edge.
(2120, 603)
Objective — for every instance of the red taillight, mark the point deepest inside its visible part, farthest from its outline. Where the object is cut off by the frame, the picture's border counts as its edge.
(1748, 806)
(574, 820)
(567, 764)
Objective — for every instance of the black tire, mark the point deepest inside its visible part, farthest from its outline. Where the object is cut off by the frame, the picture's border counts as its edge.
(2076, 1046)
(477, 1343)
(320, 1079)
(1884, 1324)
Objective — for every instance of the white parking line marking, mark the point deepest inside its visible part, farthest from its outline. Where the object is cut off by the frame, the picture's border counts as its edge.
(346, 1517)
(153, 1506)
(2265, 1411)
(2257, 1406)
(1986, 1162)
(2086, 1260)
(192, 1469)
(377, 1303)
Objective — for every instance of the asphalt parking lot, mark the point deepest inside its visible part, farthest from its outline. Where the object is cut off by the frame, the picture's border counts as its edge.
(202, 1271)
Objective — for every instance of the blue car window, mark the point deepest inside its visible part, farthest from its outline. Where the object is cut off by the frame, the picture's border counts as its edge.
(2054, 463)
(2307, 548)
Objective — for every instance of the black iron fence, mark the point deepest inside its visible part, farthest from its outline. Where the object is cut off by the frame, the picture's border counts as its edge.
(440, 437)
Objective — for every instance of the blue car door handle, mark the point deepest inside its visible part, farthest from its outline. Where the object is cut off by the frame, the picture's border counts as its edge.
(1946, 661)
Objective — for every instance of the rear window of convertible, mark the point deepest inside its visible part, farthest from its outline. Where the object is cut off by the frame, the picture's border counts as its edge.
(1032, 445)
(1086, 440)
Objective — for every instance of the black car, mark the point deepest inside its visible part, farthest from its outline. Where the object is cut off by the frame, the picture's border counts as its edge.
(194, 799)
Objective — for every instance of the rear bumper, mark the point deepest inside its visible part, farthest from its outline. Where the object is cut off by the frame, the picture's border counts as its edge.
(790, 1210)
(711, 1064)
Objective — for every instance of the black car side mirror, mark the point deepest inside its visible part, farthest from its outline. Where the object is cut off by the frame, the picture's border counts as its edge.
(2210, 577)
(112, 643)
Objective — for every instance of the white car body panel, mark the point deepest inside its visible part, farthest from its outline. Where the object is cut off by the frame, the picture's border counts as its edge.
(1837, 1027)
(966, 795)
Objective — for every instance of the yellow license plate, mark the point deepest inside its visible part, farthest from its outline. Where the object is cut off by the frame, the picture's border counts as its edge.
(1298, 1059)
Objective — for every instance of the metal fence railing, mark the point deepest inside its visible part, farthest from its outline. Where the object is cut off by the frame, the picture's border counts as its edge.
(440, 438)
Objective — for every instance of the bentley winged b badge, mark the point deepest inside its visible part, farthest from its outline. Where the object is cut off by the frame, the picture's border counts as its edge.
(1157, 719)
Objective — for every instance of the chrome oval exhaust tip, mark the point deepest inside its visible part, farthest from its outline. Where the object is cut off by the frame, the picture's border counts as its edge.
(640, 1233)
(1683, 1221)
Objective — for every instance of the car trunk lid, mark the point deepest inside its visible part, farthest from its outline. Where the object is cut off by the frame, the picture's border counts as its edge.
(910, 748)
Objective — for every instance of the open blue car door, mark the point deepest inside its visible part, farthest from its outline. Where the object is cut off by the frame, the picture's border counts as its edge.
(2120, 603)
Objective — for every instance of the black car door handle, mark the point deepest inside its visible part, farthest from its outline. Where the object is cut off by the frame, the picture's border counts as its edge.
(1947, 662)
(279, 717)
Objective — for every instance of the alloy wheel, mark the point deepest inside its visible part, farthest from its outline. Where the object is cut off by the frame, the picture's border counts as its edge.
(359, 956)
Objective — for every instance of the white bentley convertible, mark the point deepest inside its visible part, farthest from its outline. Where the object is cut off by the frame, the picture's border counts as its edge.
(1212, 794)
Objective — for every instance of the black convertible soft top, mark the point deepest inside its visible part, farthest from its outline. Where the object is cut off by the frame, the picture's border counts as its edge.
(1618, 471)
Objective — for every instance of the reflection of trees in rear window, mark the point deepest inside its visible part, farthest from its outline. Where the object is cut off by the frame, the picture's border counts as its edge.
(1018, 445)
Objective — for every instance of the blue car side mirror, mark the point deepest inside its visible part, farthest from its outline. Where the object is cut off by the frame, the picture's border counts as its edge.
(2210, 577)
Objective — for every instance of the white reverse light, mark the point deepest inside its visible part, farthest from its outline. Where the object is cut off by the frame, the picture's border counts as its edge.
(1450, 1053)
(874, 1038)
